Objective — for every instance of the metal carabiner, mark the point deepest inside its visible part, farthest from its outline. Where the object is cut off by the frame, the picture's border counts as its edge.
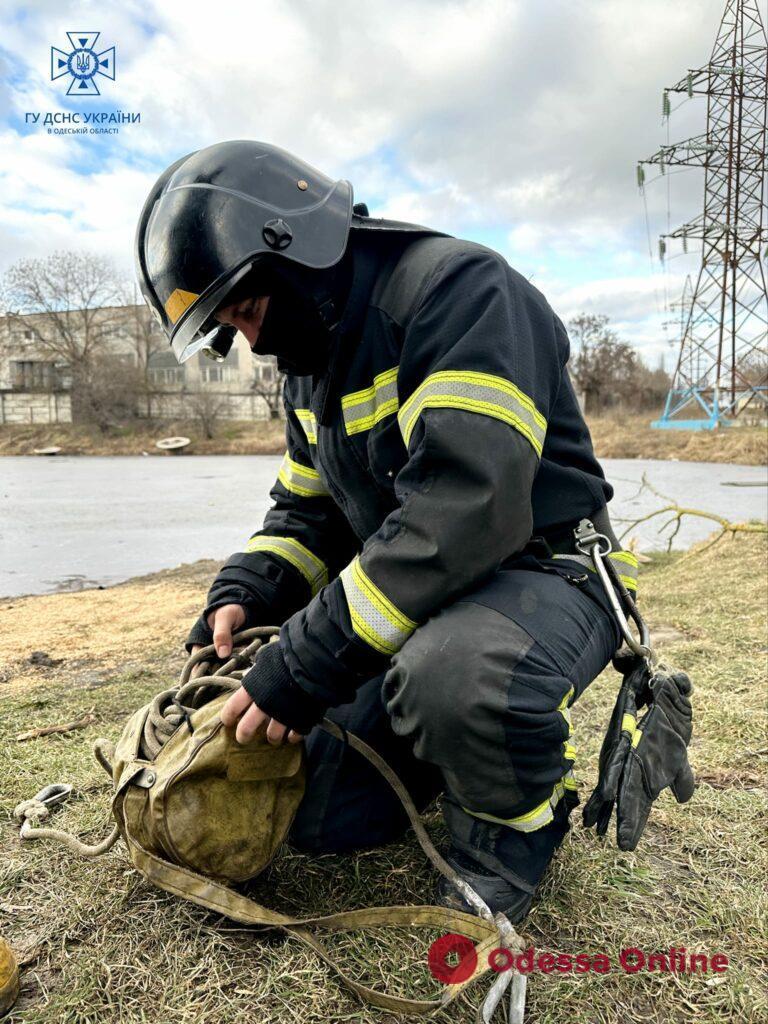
(55, 793)
(597, 546)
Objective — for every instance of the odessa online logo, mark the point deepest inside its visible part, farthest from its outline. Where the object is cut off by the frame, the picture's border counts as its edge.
(83, 63)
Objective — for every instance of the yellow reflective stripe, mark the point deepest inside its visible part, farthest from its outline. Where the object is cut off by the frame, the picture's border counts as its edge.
(482, 393)
(569, 781)
(627, 566)
(301, 480)
(363, 409)
(628, 724)
(308, 421)
(565, 711)
(374, 618)
(311, 568)
(637, 737)
(569, 753)
(540, 815)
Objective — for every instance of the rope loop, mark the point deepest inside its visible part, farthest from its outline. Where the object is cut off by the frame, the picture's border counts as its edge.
(173, 707)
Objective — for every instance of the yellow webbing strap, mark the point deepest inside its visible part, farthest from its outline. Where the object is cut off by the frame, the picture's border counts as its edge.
(221, 899)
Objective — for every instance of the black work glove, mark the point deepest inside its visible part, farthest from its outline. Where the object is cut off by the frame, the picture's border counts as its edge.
(201, 635)
(640, 759)
(274, 689)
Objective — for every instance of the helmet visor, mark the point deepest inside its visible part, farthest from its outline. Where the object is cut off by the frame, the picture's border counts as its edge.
(199, 327)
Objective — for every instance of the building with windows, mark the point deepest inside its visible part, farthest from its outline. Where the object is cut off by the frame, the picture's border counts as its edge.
(42, 354)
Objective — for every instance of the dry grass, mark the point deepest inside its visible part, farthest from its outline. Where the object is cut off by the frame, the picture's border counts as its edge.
(256, 437)
(631, 437)
(97, 628)
(626, 437)
(100, 946)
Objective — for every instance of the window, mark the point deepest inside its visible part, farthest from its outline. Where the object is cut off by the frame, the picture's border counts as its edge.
(32, 375)
(172, 375)
(212, 372)
(163, 369)
(215, 373)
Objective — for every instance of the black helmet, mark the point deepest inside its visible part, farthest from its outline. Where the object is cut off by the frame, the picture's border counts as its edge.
(215, 214)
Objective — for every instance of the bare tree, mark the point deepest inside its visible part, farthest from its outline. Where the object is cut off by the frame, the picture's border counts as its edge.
(608, 371)
(208, 406)
(147, 339)
(70, 304)
(268, 384)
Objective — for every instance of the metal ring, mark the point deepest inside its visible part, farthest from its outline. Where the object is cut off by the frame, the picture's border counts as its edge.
(587, 547)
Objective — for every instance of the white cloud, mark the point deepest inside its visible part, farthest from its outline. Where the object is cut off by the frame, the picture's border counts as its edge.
(491, 118)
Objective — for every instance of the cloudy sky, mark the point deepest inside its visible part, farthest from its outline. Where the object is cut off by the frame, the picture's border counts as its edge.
(516, 123)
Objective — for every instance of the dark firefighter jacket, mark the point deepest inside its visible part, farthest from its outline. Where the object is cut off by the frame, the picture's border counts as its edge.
(444, 433)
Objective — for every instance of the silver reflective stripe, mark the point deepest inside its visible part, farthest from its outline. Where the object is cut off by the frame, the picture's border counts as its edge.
(308, 421)
(311, 568)
(362, 409)
(482, 393)
(625, 562)
(374, 618)
(301, 480)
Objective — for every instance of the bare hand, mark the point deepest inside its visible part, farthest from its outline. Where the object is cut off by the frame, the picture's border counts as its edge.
(224, 622)
(249, 718)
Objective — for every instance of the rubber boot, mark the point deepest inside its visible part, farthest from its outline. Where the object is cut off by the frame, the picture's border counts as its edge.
(503, 865)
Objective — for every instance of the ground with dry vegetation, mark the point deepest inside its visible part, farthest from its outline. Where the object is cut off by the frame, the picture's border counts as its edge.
(99, 945)
(628, 437)
(255, 437)
(632, 437)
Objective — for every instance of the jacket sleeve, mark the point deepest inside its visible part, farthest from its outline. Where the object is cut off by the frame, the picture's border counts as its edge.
(479, 372)
(304, 542)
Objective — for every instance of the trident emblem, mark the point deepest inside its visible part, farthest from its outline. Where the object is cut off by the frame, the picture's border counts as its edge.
(83, 63)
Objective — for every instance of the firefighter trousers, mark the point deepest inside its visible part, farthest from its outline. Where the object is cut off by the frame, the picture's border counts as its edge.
(475, 704)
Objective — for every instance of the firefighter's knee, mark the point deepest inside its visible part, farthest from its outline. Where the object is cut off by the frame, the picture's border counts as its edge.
(467, 689)
(420, 690)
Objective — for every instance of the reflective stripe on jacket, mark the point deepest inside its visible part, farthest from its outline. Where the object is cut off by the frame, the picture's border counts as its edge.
(445, 433)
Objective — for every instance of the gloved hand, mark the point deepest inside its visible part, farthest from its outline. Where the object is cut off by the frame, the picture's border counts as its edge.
(269, 691)
(640, 759)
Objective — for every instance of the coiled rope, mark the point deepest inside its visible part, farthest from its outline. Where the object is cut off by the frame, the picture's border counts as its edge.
(167, 712)
(172, 708)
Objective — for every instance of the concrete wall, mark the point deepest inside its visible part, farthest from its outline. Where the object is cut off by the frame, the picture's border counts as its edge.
(40, 407)
(34, 407)
(227, 405)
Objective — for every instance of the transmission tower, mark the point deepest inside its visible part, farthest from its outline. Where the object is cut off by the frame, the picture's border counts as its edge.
(722, 365)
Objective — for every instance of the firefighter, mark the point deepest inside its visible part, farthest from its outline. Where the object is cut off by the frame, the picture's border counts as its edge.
(419, 555)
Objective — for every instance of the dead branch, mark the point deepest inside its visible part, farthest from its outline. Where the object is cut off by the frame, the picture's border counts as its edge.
(676, 518)
(49, 730)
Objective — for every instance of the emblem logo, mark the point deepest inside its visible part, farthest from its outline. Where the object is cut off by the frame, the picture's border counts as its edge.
(83, 63)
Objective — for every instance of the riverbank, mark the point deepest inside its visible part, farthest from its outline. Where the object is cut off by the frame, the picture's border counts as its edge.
(633, 437)
(257, 437)
(626, 438)
(94, 937)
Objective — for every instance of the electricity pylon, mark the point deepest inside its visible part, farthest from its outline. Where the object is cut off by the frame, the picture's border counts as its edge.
(722, 365)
